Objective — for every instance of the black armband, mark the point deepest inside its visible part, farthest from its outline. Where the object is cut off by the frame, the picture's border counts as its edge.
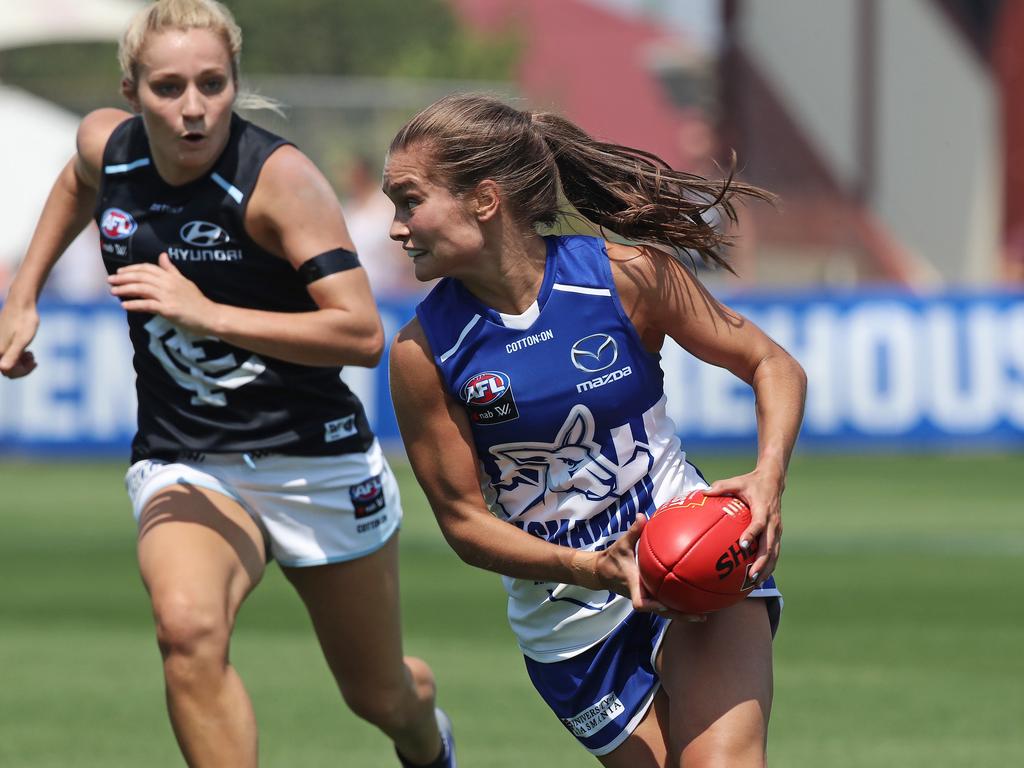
(328, 263)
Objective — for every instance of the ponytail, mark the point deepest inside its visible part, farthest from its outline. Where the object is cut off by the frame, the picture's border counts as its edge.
(627, 191)
(639, 196)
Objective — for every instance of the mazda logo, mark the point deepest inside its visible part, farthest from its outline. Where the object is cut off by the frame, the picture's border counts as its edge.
(203, 233)
(595, 352)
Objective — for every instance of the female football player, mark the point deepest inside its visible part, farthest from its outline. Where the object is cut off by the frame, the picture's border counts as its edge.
(228, 249)
(533, 369)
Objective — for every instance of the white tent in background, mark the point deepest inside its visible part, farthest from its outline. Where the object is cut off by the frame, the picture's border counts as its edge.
(37, 22)
(37, 137)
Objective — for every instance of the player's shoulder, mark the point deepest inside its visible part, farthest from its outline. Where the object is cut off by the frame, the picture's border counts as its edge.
(292, 196)
(411, 358)
(639, 269)
(95, 129)
(288, 165)
(93, 134)
(411, 333)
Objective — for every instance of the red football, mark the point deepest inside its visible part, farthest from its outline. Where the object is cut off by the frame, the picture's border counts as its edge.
(689, 553)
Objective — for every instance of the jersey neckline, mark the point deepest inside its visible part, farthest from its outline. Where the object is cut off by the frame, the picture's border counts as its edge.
(236, 127)
(493, 317)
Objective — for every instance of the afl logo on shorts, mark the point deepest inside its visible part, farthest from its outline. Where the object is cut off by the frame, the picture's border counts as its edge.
(488, 398)
(204, 234)
(116, 224)
(367, 497)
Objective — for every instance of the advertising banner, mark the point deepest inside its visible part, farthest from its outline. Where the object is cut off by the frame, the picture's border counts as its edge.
(887, 370)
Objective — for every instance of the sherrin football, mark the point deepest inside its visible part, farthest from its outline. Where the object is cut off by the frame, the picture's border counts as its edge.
(689, 553)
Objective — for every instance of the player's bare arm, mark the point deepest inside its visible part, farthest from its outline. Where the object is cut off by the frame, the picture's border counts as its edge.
(65, 214)
(295, 215)
(663, 298)
(436, 434)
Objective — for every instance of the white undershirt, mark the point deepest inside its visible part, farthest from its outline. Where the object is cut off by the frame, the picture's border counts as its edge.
(523, 321)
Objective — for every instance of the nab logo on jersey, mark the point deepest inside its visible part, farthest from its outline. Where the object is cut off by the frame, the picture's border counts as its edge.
(116, 224)
(204, 234)
(488, 398)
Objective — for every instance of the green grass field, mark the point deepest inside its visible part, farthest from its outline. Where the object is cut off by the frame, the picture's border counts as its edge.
(902, 642)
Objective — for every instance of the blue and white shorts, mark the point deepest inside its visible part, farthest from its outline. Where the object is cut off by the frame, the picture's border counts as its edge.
(312, 510)
(602, 694)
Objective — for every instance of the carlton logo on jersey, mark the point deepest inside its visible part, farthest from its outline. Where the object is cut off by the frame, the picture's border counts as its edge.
(594, 353)
(204, 234)
(488, 398)
(195, 365)
(116, 224)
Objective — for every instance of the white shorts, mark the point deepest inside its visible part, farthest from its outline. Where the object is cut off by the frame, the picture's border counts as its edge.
(312, 510)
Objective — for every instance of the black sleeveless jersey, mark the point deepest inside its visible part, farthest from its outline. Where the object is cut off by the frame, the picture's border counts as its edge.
(198, 393)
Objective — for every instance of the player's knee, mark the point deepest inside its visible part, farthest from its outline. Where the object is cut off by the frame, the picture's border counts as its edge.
(729, 759)
(187, 630)
(422, 678)
(741, 745)
(389, 710)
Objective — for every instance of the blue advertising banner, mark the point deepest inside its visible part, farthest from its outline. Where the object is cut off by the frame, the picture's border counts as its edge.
(887, 370)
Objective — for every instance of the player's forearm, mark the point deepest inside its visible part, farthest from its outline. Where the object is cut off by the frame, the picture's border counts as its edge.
(324, 337)
(780, 387)
(483, 541)
(65, 214)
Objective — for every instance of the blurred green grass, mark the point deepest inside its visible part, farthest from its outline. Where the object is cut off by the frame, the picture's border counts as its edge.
(900, 643)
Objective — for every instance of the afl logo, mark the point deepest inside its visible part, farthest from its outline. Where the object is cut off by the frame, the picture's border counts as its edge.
(367, 491)
(204, 234)
(595, 352)
(367, 498)
(485, 388)
(116, 224)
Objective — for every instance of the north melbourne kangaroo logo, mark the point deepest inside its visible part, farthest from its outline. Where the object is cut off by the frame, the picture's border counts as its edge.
(539, 473)
(185, 357)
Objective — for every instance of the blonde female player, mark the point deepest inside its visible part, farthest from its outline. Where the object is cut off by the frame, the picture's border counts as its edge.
(533, 369)
(229, 251)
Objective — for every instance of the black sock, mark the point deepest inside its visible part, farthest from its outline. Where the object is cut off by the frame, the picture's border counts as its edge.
(438, 762)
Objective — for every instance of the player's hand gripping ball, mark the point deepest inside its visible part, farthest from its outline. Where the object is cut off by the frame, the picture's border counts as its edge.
(689, 553)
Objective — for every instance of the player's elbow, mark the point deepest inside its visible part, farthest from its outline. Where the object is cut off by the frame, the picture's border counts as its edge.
(374, 346)
(798, 376)
(364, 348)
(460, 537)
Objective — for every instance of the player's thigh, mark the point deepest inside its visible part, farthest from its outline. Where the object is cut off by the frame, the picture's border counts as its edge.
(718, 677)
(200, 553)
(354, 608)
(646, 746)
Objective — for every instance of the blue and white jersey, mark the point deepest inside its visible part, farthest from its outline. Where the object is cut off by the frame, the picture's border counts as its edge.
(569, 422)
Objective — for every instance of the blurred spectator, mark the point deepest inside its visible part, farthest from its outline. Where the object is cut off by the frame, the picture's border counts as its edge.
(369, 213)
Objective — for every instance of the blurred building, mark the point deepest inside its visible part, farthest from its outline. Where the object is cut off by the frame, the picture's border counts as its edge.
(888, 128)
(621, 76)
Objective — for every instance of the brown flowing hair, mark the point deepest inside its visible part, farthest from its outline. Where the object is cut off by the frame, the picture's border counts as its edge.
(533, 155)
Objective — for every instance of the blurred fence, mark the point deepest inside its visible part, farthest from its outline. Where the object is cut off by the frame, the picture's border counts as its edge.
(888, 370)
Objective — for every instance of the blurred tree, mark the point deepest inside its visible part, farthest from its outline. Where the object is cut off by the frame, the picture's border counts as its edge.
(375, 38)
(408, 38)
